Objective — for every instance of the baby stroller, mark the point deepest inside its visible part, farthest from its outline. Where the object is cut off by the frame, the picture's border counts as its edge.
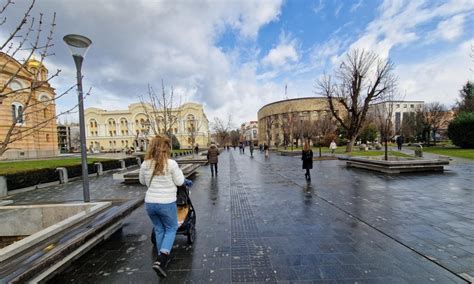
(186, 216)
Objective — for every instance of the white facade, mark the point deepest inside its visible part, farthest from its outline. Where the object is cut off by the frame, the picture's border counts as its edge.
(400, 110)
(249, 132)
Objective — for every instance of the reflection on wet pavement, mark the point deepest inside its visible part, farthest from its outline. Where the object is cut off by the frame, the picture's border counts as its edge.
(260, 221)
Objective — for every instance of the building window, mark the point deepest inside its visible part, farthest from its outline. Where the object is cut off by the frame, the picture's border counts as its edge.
(404, 105)
(47, 137)
(412, 106)
(17, 112)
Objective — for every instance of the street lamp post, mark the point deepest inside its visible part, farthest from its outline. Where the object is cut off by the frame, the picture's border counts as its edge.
(78, 46)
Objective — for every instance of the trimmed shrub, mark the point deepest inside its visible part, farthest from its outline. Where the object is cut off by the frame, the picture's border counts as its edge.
(175, 143)
(130, 161)
(110, 165)
(76, 171)
(461, 130)
(31, 178)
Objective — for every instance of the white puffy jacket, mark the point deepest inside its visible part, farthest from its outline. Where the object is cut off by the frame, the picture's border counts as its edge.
(163, 187)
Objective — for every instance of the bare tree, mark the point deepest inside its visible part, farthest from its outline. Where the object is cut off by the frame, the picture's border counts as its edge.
(382, 115)
(269, 121)
(193, 127)
(433, 116)
(26, 40)
(162, 110)
(235, 137)
(362, 78)
(222, 129)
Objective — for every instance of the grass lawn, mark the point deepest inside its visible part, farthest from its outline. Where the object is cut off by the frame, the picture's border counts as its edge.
(450, 151)
(18, 166)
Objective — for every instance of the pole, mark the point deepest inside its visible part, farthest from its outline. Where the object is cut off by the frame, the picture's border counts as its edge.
(82, 129)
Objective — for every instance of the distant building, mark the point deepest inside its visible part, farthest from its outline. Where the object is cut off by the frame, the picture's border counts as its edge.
(272, 116)
(249, 131)
(33, 110)
(68, 137)
(118, 130)
(401, 110)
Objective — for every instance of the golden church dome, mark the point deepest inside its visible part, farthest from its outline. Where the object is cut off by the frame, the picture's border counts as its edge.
(33, 63)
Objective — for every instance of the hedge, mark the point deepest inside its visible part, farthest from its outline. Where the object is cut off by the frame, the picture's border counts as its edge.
(31, 178)
(38, 176)
(461, 130)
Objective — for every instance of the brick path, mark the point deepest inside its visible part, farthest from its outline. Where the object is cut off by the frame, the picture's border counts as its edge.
(259, 221)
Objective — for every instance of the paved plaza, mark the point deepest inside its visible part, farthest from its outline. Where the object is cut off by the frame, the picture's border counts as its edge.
(260, 221)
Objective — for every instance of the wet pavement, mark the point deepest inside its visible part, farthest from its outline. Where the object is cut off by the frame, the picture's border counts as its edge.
(260, 221)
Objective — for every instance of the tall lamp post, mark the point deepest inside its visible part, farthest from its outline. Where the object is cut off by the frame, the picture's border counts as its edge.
(78, 45)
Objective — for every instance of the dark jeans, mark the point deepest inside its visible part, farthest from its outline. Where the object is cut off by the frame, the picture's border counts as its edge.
(213, 166)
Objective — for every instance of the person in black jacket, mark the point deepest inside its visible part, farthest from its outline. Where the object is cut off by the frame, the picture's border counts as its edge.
(307, 157)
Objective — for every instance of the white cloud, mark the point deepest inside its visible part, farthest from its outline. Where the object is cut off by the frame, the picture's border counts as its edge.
(398, 22)
(449, 29)
(318, 6)
(171, 40)
(438, 78)
(281, 55)
(356, 6)
(338, 9)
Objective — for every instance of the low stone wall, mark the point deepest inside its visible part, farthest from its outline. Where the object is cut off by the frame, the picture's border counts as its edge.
(34, 178)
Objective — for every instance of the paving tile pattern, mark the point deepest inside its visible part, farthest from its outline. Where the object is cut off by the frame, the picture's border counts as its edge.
(259, 221)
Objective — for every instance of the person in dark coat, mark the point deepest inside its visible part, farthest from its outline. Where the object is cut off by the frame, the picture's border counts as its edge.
(307, 157)
(399, 142)
(212, 154)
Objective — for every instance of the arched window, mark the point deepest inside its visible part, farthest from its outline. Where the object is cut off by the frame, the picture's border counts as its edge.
(45, 99)
(47, 137)
(15, 85)
(17, 112)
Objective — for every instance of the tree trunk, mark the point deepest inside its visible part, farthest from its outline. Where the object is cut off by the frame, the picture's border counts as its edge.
(350, 145)
(386, 149)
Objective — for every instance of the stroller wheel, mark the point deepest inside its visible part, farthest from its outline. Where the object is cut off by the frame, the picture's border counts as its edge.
(191, 233)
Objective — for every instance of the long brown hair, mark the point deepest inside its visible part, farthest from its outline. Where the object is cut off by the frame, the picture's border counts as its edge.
(159, 151)
(306, 146)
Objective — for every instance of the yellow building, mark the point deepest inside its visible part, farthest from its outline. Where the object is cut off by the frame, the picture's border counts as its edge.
(118, 130)
(272, 117)
(27, 103)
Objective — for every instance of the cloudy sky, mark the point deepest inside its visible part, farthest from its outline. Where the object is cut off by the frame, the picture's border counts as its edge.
(236, 56)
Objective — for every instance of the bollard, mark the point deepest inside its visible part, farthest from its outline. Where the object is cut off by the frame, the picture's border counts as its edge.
(3, 186)
(99, 168)
(63, 178)
(139, 161)
(122, 165)
(419, 151)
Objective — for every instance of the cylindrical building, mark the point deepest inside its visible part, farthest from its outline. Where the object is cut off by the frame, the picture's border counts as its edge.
(280, 119)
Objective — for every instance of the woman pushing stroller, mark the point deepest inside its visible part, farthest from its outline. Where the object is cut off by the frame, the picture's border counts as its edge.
(162, 175)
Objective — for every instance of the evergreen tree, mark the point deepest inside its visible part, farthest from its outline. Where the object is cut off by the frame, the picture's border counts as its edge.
(467, 98)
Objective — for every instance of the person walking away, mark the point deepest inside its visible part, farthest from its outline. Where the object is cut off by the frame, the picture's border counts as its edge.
(265, 149)
(251, 149)
(307, 157)
(162, 175)
(243, 148)
(399, 142)
(212, 154)
(333, 146)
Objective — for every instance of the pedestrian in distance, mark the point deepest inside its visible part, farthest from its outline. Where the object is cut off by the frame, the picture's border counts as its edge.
(212, 159)
(333, 146)
(243, 148)
(307, 158)
(251, 149)
(196, 149)
(260, 147)
(265, 149)
(161, 175)
(399, 141)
